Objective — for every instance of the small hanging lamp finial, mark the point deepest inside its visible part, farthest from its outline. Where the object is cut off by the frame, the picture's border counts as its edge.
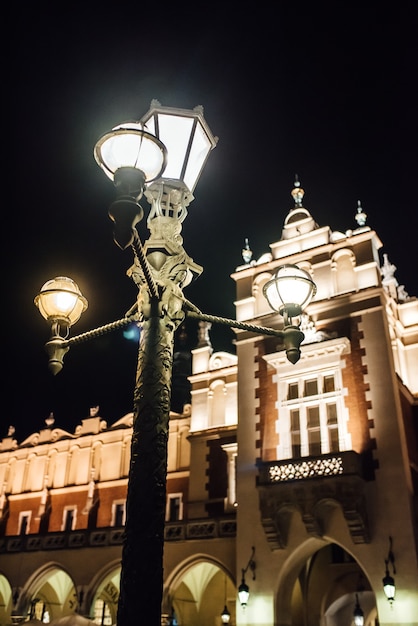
(49, 421)
(361, 215)
(297, 192)
(247, 253)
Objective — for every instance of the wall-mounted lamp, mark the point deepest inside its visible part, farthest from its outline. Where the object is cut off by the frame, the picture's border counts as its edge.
(225, 615)
(388, 580)
(358, 614)
(243, 589)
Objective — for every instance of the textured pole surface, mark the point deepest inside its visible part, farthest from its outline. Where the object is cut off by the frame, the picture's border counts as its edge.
(141, 584)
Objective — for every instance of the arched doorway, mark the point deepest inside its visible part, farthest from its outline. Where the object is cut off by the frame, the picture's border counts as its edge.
(48, 595)
(198, 592)
(318, 586)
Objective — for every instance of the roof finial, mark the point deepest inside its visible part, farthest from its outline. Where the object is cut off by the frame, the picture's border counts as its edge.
(361, 215)
(297, 192)
(247, 253)
(49, 421)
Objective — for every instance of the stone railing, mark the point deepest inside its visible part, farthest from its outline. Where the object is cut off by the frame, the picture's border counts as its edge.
(98, 538)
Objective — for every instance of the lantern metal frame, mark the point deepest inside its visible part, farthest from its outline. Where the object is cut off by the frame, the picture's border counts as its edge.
(388, 581)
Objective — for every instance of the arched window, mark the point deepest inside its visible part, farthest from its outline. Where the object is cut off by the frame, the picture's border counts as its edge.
(343, 264)
(217, 403)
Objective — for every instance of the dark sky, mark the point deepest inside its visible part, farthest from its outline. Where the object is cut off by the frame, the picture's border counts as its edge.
(324, 90)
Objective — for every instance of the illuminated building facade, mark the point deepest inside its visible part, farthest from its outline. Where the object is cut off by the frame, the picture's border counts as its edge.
(299, 480)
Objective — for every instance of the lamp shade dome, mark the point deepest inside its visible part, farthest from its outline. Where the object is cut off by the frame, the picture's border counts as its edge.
(243, 593)
(61, 299)
(128, 145)
(291, 289)
(389, 587)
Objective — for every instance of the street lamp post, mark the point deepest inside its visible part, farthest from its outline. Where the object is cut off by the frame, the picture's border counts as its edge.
(161, 269)
(161, 157)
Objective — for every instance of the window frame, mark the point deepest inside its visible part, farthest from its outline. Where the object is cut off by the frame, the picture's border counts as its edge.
(168, 508)
(321, 358)
(69, 509)
(25, 518)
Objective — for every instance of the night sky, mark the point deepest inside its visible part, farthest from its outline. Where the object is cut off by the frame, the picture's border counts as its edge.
(323, 90)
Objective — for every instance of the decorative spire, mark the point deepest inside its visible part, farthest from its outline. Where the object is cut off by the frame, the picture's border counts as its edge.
(387, 271)
(298, 221)
(389, 281)
(297, 192)
(361, 215)
(49, 421)
(247, 253)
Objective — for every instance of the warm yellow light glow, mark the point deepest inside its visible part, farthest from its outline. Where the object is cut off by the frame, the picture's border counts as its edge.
(291, 288)
(61, 299)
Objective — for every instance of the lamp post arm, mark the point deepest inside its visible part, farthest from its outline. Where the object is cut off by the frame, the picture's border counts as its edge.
(63, 345)
(57, 347)
(235, 324)
(125, 321)
(250, 564)
(102, 330)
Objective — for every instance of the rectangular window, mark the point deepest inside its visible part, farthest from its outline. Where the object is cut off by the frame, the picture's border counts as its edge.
(313, 416)
(334, 445)
(311, 387)
(332, 414)
(311, 419)
(294, 419)
(295, 432)
(332, 424)
(293, 391)
(118, 514)
(329, 384)
(314, 431)
(314, 441)
(174, 514)
(24, 520)
(174, 508)
(296, 447)
(69, 519)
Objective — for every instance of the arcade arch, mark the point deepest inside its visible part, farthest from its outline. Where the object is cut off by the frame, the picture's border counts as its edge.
(6, 599)
(197, 592)
(49, 593)
(325, 577)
